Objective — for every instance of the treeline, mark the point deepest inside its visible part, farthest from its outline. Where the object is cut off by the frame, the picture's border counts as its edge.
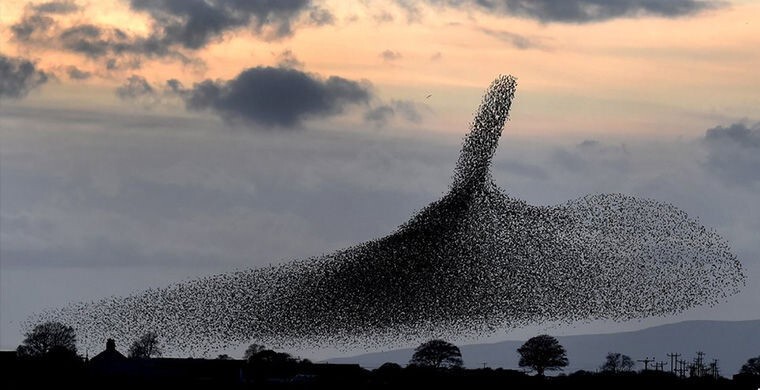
(48, 357)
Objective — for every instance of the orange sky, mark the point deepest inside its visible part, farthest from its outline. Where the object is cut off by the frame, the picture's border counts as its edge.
(638, 75)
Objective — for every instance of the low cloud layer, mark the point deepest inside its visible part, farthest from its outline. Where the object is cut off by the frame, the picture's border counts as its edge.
(584, 11)
(135, 87)
(734, 153)
(274, 97)
(181, 196)
(18, 76)
(382, 114)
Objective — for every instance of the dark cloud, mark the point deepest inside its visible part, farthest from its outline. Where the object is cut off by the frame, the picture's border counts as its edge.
(287, 59)
(75, 73)
(194, 23)
(734, 153)
(56, 7)
(321, 17)
(97, 41)
(135, 87)
(36, 19)
(118, 48)
(30, 26)
(405, 109)
(175, 25)
(274, 97)
(18, 76)
(390, 55)
(517, 41)
(585, 11)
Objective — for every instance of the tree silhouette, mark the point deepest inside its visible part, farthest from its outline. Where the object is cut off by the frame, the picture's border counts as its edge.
(49, 339)
(751, 367)
(616, 362)
(253, 350)
(146, 347)
(542, 353)
(437, 354)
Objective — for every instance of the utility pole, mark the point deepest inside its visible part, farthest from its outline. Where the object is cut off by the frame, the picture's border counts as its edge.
(484, 365)
(660, 366)
(646, 362)
(682, 368)
(714, 370)
(700, 366)
(673, 360)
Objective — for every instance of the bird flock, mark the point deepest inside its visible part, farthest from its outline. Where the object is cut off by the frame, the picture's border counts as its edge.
(474, 262)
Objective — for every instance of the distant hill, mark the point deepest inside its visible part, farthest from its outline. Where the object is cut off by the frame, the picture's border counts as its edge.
(731, 342)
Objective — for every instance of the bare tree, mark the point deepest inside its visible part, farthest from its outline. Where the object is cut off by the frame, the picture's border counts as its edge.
(48, 339)
(617, 362)
(542, 353)
(437, 354)
(146, 347)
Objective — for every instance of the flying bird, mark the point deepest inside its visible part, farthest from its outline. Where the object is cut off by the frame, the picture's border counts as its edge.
(473, 262)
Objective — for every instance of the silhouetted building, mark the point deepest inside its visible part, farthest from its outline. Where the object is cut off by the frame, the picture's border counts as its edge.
(109, 355)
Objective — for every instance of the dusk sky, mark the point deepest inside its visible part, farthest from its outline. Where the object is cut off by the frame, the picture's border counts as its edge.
(145, 142)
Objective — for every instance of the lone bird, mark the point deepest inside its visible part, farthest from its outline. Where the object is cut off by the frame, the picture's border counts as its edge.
(473, 262)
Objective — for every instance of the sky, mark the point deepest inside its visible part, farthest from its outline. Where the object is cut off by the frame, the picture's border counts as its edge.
(144, 143)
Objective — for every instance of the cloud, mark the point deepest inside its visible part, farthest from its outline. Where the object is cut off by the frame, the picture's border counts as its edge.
(31, 25)
(194, 23)
(381, 115)
(274, 97)
(18, 76)
(517, 41)
(585, 11)
(383, 17)
(174, 25)
(437, 56)
(287, 59)
(117, 48)
(97, 41)
(321, 17)
(734, 153)
(135, 87)
(390, 55)
(75, 73)
(56, 7)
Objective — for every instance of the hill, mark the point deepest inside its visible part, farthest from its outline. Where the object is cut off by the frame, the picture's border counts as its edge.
(731, 342)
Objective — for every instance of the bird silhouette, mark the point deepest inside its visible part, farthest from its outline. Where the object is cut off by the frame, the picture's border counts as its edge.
(473, 262)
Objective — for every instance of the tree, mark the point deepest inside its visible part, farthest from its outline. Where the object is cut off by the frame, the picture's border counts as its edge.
(616, 362)
(49, 339)
(437, 354)
(542, 353)
(223, 356)
(146, 347)
(751, 367)
(253, 350)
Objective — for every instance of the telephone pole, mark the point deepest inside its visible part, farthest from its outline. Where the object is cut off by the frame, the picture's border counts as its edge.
(646, 362)
(673, 360)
